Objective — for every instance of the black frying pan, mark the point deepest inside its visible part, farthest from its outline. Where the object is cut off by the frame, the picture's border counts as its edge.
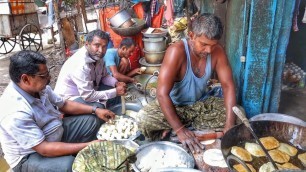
(283, 132)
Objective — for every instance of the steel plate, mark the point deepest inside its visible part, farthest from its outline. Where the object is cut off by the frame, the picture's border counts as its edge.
(168, 147)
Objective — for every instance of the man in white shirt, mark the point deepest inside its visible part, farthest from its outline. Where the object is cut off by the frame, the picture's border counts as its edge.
(84, 78)
(33, 135)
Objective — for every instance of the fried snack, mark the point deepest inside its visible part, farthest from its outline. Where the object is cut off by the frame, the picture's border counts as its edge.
(279, 156)
(254, 149)
(241, 153)
(240, 168)
(269, 142)
(287, 166)
(287, 149)
(302, 158)
(267, 167)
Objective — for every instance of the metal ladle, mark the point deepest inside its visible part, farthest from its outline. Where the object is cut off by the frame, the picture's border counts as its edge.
(241, 114)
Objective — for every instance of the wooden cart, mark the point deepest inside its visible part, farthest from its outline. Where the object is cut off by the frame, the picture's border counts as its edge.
(19, 24)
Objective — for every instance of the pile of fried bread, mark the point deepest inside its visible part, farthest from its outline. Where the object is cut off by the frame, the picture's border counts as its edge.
(281, 153)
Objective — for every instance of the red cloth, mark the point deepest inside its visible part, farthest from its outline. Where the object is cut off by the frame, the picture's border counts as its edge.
(134, 59)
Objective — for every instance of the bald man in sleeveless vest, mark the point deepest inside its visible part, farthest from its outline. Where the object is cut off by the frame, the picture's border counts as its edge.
(182, 87)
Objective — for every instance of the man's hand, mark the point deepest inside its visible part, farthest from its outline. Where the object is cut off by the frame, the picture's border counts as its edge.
(105, 114)
(120, 88)
(189, 140)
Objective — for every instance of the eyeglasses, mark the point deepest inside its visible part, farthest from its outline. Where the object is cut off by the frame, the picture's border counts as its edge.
(43, 75)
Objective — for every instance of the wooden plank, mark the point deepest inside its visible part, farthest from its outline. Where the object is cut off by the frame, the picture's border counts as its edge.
(201, 165)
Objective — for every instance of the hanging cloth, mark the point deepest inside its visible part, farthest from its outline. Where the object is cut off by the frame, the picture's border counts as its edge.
(304, 18)
(295, 16)
(157, 18)
(169, 12)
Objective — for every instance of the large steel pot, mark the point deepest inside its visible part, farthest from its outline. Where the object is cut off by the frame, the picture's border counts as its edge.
(154, 57)
(119, 18)
(282, 131)
(157, 32)
(155, 44)
(150, 68)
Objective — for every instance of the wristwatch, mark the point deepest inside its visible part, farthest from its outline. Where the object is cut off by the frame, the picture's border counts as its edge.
(93, 111)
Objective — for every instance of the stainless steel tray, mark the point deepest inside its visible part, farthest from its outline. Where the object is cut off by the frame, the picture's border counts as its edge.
(169, 148)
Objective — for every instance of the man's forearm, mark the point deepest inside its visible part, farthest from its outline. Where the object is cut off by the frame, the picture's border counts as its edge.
(54, 149)
(229, 101)
(75, 108)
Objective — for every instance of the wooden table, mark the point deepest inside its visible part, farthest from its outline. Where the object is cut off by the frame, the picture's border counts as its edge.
(201, 165)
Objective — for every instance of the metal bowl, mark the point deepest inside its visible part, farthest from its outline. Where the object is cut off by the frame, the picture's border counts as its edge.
(128, 106)
(154, 57)
(119, 18)
(150, 68)
(154, 35)
(130, 31)
(155, 44)
(170, 149)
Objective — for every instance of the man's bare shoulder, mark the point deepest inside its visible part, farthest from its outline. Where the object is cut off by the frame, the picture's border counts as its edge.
(176, 50)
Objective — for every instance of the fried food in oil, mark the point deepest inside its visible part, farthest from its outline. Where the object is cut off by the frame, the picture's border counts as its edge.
(269, 142)
(287, 149)
(287, 166)
(279, 156)
(241, 153)
(240, 168)
(302, 158)
(254, 149)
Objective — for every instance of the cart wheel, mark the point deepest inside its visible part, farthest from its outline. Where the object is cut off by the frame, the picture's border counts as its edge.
(7, 45)
(30, 38)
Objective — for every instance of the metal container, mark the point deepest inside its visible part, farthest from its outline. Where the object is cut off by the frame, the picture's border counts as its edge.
(161, 33)
(145, 81)
(130, 31)
(119, 18)
(278, 117)
(155, 44)
(150, 68)
(154, 57)
(171, 150)
(128, 106)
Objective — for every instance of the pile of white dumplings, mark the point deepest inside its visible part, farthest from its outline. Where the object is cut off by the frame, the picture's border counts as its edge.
(122, 128)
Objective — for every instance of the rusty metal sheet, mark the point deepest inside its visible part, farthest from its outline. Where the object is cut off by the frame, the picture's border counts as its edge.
(18, 21)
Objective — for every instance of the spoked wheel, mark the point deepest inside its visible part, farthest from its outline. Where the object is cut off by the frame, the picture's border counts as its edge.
(30, 38)
(7, 45)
